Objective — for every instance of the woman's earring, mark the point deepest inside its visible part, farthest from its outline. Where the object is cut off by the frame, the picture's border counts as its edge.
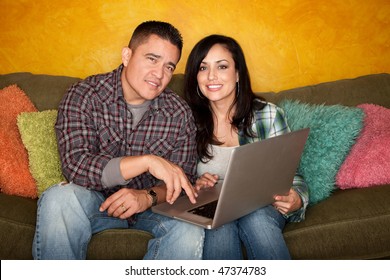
(199, 93)
(238, 88)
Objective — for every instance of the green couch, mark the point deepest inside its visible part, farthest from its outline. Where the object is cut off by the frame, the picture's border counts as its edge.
(350, 224)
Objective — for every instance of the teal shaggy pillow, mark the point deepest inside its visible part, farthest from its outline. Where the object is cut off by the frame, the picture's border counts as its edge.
(38, 136)
(333, 131)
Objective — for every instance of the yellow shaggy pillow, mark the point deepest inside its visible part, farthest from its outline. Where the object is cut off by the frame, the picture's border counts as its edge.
(38, 136)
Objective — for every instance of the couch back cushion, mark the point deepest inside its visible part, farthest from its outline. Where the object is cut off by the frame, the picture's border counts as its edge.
(45, 91)
(373, 88)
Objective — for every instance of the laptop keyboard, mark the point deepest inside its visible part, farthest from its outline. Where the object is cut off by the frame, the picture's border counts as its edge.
(206, 210)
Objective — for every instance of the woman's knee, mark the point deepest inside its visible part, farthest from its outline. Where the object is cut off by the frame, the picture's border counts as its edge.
(266, 216)
(225, 233)
(222, 243)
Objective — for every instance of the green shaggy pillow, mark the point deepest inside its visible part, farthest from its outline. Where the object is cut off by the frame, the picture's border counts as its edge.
(38, 136)
(333, 131)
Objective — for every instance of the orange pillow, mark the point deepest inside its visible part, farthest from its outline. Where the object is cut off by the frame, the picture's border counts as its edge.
(15, 176)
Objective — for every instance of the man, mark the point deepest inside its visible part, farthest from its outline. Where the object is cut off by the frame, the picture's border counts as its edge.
(126, 143)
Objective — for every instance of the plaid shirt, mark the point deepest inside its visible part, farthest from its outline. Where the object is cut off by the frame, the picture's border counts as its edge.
(94, 125)
(269, 122)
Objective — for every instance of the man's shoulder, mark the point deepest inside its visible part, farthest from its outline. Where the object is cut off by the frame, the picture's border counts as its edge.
(96, 80)
(173, 102)
(98, 85)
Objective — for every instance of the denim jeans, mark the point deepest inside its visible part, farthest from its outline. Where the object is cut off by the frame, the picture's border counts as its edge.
(68, 215)
(260, 232)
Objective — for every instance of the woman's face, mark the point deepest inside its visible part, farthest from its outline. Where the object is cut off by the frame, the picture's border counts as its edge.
(217, 75)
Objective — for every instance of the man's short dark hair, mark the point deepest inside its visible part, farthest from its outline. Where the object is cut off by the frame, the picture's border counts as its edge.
(162, 29)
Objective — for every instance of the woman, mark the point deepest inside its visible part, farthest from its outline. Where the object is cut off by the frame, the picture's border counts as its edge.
(228, 114)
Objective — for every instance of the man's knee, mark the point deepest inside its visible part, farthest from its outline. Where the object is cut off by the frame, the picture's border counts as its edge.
(58, 196)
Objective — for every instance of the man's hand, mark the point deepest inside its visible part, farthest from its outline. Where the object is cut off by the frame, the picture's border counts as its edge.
(288, 203)
(125, 203)
(173, 176)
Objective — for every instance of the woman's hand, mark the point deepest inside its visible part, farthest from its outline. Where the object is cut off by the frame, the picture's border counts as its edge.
(288, 203)
(207, 180)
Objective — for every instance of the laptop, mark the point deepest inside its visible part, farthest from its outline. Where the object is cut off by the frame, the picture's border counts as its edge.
(256, 173)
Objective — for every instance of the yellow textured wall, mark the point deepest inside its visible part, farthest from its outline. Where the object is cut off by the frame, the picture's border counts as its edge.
(287, 43)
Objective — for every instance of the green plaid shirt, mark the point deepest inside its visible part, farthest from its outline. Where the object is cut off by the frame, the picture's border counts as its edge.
(269, 122)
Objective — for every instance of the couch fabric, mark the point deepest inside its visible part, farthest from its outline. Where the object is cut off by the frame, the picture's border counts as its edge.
(350, 224)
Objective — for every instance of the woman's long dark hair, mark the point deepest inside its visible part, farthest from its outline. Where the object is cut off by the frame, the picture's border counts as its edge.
(200, 105)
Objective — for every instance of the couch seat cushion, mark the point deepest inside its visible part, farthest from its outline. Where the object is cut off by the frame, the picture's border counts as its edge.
(17, 228)
(351, 224)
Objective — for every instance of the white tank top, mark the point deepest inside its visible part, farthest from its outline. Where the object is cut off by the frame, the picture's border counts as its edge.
(218, 164)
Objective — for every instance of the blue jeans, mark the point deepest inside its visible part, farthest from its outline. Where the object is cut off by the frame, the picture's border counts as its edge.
(68, 215)
(260, 232)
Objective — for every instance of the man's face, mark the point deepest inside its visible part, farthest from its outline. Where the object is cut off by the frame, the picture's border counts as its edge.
(148, 69)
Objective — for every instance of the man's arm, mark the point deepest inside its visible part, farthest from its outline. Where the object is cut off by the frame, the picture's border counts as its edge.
(171, 174)
(127, 202)
(78, 140)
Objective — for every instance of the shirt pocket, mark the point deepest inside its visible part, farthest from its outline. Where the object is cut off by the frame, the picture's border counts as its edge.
(159, 147)
(110, 140)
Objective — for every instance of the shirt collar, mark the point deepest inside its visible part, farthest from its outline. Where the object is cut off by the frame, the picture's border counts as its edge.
(156, 104)
(118, 94)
